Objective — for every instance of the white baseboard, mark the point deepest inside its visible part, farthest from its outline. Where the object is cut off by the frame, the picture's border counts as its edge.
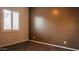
(54, 45)
(13, 43)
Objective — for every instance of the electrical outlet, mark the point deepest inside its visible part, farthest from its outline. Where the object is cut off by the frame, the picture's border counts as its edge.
(65, 42)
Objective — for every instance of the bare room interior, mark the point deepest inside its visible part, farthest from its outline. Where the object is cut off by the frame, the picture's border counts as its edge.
(39, 29)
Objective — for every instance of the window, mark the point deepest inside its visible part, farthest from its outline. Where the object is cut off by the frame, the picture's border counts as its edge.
(15, 21)
(7, 20)
(11, 20)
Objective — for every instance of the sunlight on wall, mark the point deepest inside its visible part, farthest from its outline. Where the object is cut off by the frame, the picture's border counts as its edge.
(39, 22)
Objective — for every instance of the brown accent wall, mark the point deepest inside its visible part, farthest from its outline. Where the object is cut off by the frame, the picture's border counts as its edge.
(58, 26)
(13, 37)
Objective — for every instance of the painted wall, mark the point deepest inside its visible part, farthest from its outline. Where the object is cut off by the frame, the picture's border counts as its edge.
(58, 26)
(13, 37)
